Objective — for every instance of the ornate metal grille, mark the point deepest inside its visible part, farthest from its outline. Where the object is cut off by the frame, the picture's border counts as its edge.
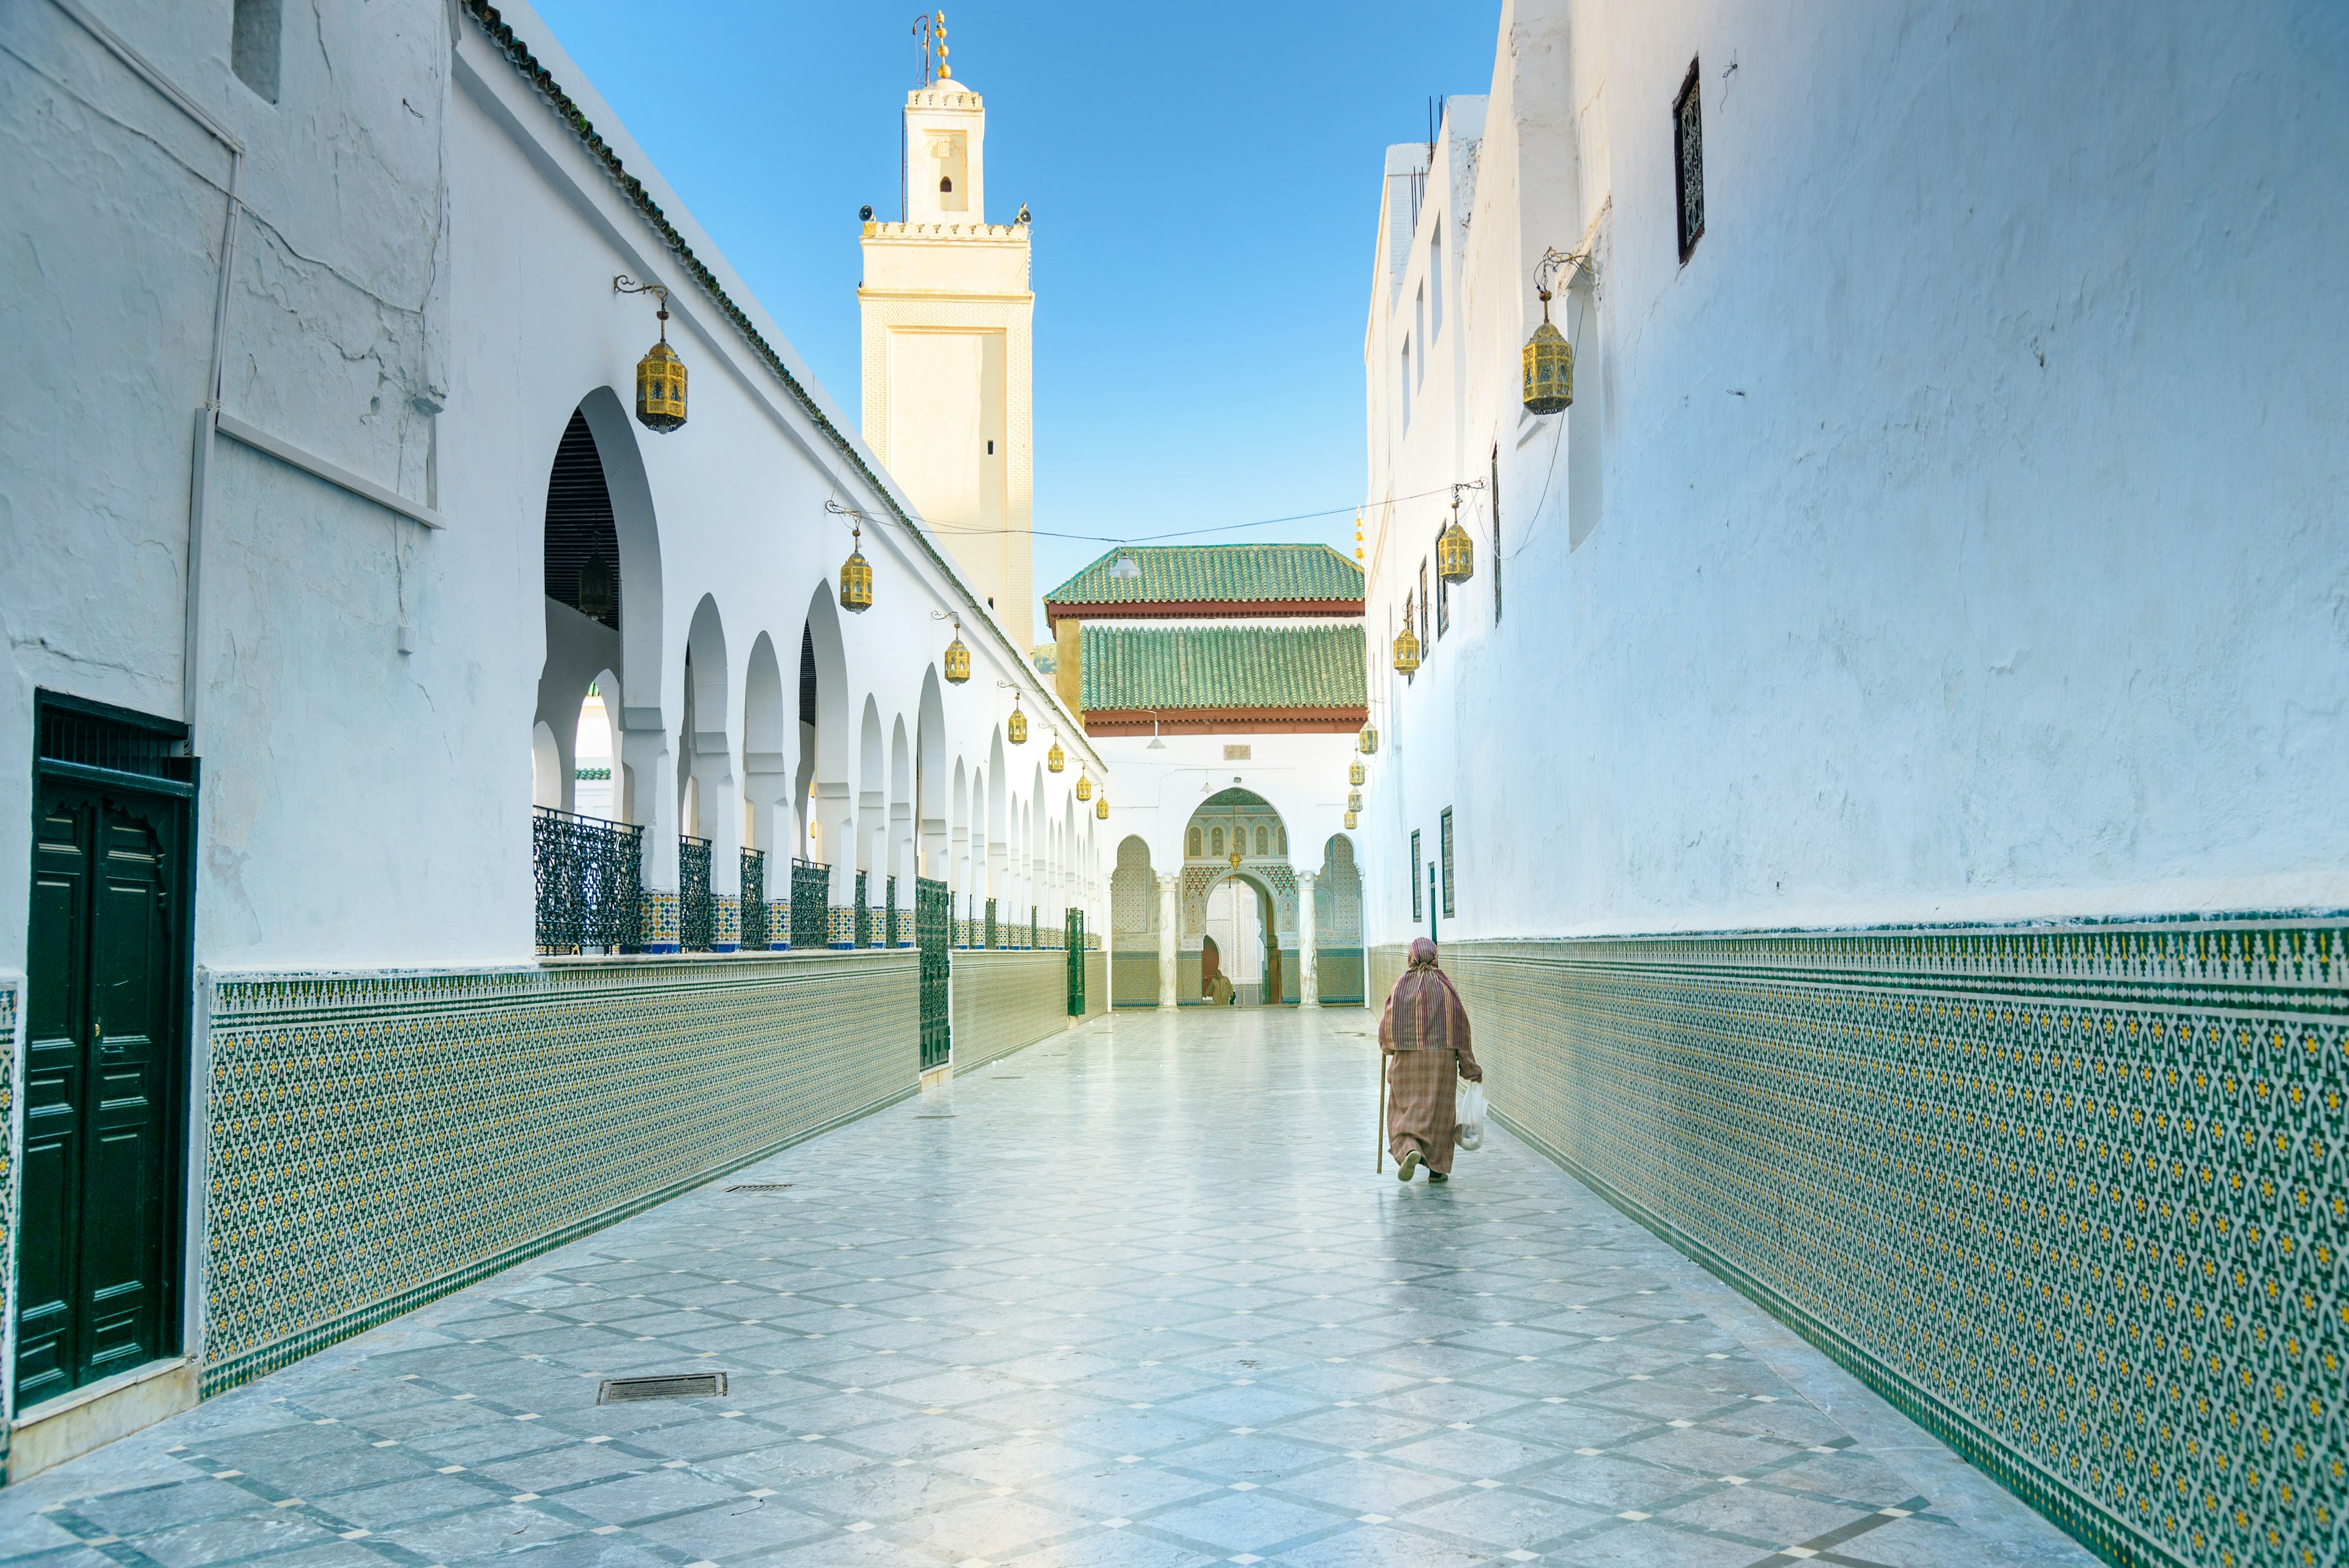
(934, 934)
(696, 909)
(1414, 876)
(1073, 929)
(1033, 943)
(754, 900)
(811, 901)
(990, 923)
(1688, 163)
(590, 880)
(1445, 848)
(890, 902)
(863, 914)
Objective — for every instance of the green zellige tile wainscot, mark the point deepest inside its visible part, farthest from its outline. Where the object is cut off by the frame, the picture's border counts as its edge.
(12, 990)
(1004, 1001)
(2072, 1198)
(376, 1141)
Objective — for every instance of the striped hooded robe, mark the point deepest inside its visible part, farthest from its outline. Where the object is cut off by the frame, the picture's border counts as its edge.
(1424, 1036)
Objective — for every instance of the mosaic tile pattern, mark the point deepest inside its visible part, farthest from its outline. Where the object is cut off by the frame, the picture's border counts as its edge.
(377, 1140)
(2074, 1197)
(11, 1151)
(663, 917)
(1145, 1351)
(1096, 981)
(1004, 1001)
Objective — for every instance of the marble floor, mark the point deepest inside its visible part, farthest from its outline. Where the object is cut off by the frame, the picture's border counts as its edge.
(1133, 1298)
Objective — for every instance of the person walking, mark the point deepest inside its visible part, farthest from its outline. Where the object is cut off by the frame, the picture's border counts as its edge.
(1423, 1039)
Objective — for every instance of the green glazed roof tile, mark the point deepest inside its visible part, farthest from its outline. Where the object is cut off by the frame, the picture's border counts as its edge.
(1247, 574)
(1222, 667)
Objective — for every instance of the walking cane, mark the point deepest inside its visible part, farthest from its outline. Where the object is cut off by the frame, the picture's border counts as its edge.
(1382, 1111)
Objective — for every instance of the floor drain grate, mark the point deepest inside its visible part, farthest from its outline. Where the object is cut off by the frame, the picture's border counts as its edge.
(936, 1117)
(679, 1386)
(761, 1187)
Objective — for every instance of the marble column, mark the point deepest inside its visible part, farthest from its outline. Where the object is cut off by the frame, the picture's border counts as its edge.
(1309, 950)
(1170, 919)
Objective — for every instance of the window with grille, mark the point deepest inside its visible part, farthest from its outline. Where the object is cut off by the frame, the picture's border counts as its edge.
(1443, 848)
(1417, 914)
(1687, 162)
(1495, 493)
(1426, 607)
(1442, 594)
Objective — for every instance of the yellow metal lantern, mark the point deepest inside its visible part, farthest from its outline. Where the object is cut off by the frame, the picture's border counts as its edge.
(1350, 819)
(1101, 808)
(1406, 646)
(661, 374)
(1017, 728)
(1455, 552)
(1055, 760)
(1356, 772)
(1354, 801)
(1084, 788)
(856, 577)
(1368, 740)
(1548, 366)
(958, 661)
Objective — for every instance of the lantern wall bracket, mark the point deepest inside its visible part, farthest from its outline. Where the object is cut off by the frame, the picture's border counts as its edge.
(624, 284)
(1554, 261)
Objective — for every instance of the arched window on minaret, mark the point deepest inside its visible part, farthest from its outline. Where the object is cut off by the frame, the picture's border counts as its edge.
(946, 186)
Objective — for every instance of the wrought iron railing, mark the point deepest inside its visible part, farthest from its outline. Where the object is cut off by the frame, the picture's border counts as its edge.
(889, 902)
(934, 934)
(754, 900)
(696, 906)
(990, 923)
(1075, 936)
(810, 905)
(864, 915)
(1031, 927)
(590, 882)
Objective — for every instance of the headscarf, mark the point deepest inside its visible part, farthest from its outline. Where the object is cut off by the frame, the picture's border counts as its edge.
(1424, 1011)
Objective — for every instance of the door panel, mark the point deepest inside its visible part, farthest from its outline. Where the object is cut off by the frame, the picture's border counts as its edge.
(103, 1050)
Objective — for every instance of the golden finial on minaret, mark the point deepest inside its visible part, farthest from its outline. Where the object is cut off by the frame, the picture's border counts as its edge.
(946, 71)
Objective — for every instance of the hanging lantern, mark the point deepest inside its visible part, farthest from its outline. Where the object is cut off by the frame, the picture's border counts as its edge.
(1350, 819)
(1548, 366)
(1354, 801)
(1368, 740)
(1101, 808)
(1056, 759)
(661, 374)
(1455, 552)
(958, 661)
(1356, 772)
(1406, 646)
(1016, 729)
(597, 592)
(1084, 788)
(856, 578)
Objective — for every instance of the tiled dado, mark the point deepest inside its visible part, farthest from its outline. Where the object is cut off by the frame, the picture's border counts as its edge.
(376, 1141)
(1004, 1001)
(2074, 1197)
(11, 1002)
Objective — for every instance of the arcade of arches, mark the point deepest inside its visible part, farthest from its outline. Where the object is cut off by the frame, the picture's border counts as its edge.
(1238, 924)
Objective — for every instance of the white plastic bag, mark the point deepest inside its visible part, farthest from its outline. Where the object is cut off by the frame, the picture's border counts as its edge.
(1470, 1113)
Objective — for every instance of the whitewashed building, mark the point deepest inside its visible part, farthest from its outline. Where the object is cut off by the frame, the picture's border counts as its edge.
(1876, 787)
(341, 484)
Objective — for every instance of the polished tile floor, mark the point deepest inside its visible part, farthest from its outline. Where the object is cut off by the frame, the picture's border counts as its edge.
(1133, 1298)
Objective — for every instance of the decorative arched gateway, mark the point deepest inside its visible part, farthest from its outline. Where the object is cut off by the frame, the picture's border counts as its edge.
(1239, 890)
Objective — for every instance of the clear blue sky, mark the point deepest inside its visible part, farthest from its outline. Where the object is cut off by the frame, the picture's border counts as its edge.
(1204, 180)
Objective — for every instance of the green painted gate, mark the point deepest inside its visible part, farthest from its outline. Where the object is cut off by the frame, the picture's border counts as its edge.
(934, 935)
(1075, 937)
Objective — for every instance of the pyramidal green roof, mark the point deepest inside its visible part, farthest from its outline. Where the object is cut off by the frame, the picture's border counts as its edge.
(1175, 574)
(1222, 667)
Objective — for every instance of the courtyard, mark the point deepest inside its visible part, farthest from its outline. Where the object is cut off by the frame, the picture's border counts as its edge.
(1132, 1298)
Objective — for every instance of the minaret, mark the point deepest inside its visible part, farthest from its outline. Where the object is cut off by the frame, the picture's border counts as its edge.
(948, 383)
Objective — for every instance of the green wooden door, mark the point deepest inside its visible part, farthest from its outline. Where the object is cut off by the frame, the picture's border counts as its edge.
(103, 1058)
(1074, 925)
(934, 935)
